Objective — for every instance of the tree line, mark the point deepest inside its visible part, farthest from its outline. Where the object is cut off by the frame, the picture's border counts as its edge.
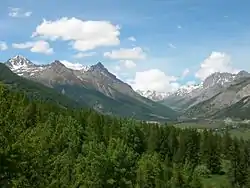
(44, 145)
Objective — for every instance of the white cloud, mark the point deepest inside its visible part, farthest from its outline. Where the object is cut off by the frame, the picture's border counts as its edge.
(83, 35)
(185, 73)
(132, 38)
(126, 53)
(155, 80)
(216, 62)
(129, 64)
(35, 46)
(123, 64)
(171, 45)
(179, 26)
(18, 13)
(74, 66)
(117, 68)
(82, 55)
(3, 46)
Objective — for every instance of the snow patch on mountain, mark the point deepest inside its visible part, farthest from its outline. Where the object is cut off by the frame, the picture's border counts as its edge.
(75, 66)
(24, 67)
(194, 90)
(187, 89)
(18, 62)
(154, 95)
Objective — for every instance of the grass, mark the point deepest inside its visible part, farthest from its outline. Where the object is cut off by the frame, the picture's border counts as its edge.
(200, 125)
(216, 181)
(243, 133)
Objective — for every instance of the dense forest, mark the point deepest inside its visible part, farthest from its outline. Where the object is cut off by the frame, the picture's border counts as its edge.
(44, 145)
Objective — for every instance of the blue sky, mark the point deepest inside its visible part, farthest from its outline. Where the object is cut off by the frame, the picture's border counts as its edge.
(173, 37)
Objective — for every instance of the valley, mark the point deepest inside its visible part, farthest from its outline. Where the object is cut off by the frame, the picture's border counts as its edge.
(201, 106)
(219, 96)
(124, 94)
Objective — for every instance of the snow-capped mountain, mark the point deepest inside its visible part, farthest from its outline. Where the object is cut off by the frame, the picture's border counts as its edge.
(19, 62)
(154, 95)
(187, 89)
(188, 96)
(93, 85)
(181, 91)
(215, 80)
(63, 72)
(24, 67)
(75, 66)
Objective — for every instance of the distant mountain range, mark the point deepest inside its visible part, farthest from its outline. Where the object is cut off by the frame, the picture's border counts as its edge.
(219, 95)
(93, 86)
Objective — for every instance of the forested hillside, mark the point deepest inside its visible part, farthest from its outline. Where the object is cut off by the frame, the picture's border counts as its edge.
(43, 145)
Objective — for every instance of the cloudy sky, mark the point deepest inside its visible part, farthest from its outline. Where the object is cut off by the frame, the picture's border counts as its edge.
(151, 44)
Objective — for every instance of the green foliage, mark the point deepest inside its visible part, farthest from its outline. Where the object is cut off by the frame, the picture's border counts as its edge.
(45, 145)
(202, 171)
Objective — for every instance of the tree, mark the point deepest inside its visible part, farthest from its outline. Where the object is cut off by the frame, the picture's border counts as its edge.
(211, 156)
(149, 170)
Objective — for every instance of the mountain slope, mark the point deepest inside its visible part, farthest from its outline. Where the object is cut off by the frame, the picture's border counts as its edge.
(33, 89)
(95, 86)
(239, 110)
(229, 99)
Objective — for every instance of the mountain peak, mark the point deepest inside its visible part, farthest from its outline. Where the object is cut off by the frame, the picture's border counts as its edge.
(57, 63)
(218, 78)
(18, 57)
(243, 74)
(99, 65)
(18, 62)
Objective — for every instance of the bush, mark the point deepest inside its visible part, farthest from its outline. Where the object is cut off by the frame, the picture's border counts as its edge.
(202, 171)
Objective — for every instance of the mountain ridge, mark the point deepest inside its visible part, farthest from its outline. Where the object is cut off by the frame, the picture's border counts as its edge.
(215, 97)
(94, 85)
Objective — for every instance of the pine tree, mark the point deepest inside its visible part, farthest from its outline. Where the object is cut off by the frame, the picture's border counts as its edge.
(149, 170)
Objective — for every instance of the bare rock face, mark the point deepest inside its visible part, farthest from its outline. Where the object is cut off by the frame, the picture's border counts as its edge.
(96, 76)
(227, 94)
(216, 93)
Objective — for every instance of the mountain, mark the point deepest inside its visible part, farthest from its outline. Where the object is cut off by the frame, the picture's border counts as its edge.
(33, 89)
(93, 85)
(154, 95)
(183, 97)
(227, 99)
(219, 95)
(240, 109)
(192, 95)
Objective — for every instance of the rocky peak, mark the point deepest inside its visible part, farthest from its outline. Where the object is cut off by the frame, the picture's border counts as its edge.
(243, 74)
(18, 62)
(57, 63)
(187, 89)
(218, 79)
(98, 67)
(101, 70)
